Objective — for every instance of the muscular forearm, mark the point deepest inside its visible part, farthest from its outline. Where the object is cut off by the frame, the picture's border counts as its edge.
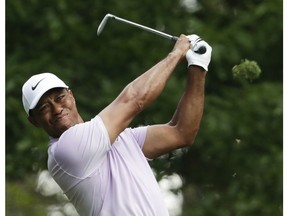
(137, 95)
(146, 88)
(189, 112)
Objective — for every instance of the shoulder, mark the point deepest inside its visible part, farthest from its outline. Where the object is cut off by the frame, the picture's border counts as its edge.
(85, 132)
(81, 149)
(82, 142)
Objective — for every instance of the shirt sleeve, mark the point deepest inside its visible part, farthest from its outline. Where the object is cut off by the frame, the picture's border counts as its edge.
(139, 134)
(81, 149)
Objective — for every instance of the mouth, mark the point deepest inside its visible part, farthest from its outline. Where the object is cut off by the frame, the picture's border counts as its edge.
(60, 118)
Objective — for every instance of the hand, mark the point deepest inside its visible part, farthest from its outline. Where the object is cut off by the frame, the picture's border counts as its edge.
(195, 58)
(182, 45)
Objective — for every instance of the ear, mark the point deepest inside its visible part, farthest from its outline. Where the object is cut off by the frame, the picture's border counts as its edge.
(33, 121)
(71, 94)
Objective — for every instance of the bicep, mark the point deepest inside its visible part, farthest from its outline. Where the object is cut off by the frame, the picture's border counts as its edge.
(161, 139)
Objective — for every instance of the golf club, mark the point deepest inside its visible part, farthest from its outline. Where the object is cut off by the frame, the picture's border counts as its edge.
(107, 16)
(201, 50)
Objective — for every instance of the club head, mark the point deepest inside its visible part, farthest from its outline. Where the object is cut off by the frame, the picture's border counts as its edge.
(103, 23)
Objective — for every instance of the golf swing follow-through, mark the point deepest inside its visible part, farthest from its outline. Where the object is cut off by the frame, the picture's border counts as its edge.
(101, 163)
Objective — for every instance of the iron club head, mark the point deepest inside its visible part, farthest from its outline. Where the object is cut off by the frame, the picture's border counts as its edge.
(103, 23)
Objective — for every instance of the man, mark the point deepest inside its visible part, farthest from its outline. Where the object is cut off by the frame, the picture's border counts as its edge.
(101, 164)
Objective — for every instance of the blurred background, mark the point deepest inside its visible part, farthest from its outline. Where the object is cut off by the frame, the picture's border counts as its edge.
(234, 168)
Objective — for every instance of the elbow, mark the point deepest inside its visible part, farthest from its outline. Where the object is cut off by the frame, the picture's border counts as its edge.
(184, 135)
(135, 98)
(189, 137)
(139, 102)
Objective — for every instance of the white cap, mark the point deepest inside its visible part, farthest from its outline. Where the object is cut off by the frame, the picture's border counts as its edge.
(36, 86)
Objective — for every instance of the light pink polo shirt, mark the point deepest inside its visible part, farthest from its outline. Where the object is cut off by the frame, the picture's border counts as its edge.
(104, 179)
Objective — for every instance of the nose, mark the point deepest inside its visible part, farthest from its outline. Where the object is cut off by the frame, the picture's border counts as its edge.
(56, 108)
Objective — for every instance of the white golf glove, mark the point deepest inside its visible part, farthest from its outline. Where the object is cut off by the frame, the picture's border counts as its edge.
(194, 55)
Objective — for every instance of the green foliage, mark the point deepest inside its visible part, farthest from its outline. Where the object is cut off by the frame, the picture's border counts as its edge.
(235, 156)
(246, 69)
(235, 166)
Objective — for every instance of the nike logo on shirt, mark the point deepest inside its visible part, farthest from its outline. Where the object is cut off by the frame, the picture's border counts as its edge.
(34, 87)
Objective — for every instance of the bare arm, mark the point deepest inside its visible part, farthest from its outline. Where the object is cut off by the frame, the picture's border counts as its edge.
(142, 91)
(182, 129)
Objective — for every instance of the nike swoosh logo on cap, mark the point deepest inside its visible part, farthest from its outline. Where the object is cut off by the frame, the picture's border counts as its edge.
(34, 87)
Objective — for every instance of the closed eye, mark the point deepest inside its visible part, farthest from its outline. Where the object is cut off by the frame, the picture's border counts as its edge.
(60, 97)
(44, 108)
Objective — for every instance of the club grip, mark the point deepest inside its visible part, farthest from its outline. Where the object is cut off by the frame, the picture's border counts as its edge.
(200, 51)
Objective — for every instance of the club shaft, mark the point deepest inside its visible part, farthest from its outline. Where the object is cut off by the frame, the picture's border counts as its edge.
(201, 50)
(146, 28)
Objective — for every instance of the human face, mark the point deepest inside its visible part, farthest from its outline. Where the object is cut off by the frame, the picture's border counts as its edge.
(55, 112)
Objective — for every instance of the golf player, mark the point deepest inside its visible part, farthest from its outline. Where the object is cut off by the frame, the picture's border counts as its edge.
(101, 164)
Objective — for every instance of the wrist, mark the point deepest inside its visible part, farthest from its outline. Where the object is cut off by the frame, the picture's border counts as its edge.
(176, 54)
(197, 70)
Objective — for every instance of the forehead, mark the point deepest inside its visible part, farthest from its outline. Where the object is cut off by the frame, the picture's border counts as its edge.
(51, 93)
